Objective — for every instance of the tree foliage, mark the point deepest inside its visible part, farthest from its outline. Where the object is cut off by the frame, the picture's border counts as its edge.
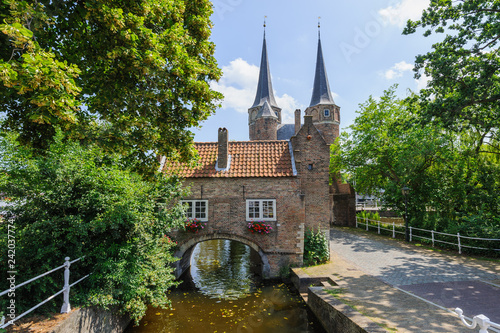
(464, 86)
(463, 95)
(386, 150)
(451, 176)
(132, 76)
(77, 201)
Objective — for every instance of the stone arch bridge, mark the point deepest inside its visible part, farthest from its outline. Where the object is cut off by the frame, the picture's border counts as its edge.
(262, 244)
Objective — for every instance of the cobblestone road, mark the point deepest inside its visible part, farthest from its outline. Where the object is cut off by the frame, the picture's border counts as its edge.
(445, 280)
(399, 266)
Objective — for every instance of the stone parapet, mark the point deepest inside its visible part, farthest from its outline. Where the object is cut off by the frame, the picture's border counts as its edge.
(93, 320)
(336, 316)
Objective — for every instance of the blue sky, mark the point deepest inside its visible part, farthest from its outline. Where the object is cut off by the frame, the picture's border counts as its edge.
(364, 50)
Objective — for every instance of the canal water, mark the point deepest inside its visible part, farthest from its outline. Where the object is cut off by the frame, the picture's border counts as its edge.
(224, 292)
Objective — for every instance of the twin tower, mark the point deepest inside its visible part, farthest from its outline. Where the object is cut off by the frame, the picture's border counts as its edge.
(264, 117)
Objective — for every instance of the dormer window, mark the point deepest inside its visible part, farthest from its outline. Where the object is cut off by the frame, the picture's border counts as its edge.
(327, 113)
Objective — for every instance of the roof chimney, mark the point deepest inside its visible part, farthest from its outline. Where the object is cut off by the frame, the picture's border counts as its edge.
(222, 156)
(297, 121)
(308, 120)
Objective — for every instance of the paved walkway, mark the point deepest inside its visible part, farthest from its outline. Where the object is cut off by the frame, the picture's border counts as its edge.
(401, 266)
(388, 280)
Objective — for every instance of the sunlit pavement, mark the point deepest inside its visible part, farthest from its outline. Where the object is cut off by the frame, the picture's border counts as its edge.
(388, 280)
(449, 281)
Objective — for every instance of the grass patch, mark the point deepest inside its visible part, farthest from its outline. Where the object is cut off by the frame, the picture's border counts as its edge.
(334, 292)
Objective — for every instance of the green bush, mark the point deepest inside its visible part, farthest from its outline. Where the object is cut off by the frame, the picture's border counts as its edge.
(362, 214)
(75, 202)
(316, 249)
(367, 215)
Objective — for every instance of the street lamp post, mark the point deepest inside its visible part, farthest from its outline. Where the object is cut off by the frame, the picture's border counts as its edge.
(406, 190)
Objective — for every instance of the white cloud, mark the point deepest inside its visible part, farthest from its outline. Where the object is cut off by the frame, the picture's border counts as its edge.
(239, 85)
(422, 82)
(390, 74)
(397, 70)
(288, 105)
(241, 73)
(403, 11)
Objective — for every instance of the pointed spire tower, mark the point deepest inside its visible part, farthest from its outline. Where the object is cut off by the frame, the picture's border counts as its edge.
(264, 115)
(326, 114)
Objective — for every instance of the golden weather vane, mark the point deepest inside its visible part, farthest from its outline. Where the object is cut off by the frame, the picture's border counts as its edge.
(319, 25)
(265, 25)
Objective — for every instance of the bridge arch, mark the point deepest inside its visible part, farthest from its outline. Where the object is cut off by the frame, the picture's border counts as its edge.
(186, 249)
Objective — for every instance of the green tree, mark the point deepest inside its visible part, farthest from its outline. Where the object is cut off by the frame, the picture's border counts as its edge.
(386, 149)
(132, 76)
(464, 86)
(463, 95)
(453, 179)
(468, 181)
(77, 201)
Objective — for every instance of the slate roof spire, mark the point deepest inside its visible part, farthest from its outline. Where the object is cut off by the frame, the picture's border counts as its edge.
(266, 111)
(321, 90)
(264, 87)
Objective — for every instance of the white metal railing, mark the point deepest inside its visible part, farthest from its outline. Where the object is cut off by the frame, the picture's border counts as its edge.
(368, 204)
(481, 320)
(432, 238)
(65, 307)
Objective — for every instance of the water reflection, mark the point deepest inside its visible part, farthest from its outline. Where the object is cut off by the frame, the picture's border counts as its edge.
(270, 309)
(223, 294)
(223, 269)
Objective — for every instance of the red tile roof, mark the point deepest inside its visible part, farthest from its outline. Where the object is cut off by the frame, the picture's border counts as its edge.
(248, 159)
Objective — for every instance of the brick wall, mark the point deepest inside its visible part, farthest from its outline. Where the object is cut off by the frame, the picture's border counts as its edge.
(304, 201)
(327, 125)
(264, 129)
(227, 213)
(330, 131)
(344, 204)
(312, 157)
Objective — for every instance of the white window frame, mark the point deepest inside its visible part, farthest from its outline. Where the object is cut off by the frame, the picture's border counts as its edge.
(325, 111)
(191, 214)
(261, 204)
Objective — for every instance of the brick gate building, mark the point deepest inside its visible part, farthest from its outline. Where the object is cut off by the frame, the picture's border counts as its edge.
(281, 176)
